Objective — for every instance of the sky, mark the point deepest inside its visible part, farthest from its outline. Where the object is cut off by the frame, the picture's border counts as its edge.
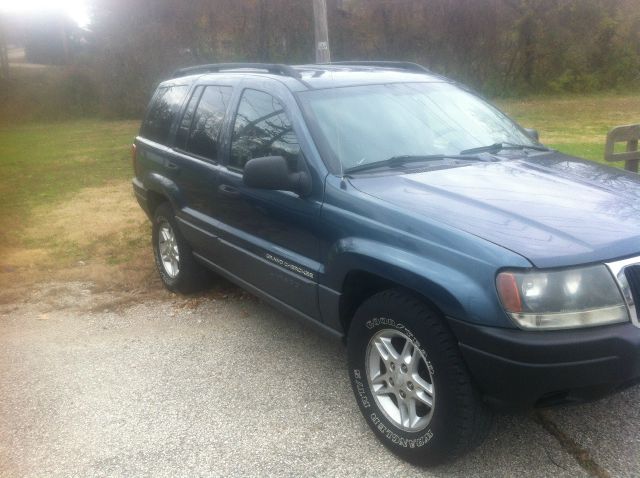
(76, 9)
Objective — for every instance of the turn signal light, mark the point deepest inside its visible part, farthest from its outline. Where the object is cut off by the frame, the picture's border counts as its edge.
(509, 292)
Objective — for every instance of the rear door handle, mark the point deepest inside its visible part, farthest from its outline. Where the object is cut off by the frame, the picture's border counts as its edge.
(173, 166)
(228, 191)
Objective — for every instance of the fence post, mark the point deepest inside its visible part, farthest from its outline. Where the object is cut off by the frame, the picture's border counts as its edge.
(629, 134)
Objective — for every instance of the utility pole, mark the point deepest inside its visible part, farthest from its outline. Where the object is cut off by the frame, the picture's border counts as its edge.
(323, 55)
(4, 54)
(65, 41)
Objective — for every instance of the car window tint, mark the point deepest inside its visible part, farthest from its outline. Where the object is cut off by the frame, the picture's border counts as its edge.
(162, 112)
(262, 128)
(207, 121)
(185, 124)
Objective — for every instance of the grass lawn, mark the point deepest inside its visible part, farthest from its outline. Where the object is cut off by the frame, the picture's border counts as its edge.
(576, 125)
(41, 165)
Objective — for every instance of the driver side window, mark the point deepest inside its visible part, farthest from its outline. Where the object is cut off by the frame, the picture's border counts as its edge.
(262, 128)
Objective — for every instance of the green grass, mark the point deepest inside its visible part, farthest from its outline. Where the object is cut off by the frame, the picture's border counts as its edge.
(42, 163)
(575, 125)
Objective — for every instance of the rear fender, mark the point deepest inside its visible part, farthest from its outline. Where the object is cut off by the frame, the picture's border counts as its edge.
(166, 187)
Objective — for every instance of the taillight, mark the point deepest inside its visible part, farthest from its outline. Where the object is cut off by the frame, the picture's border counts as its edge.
(134, 157)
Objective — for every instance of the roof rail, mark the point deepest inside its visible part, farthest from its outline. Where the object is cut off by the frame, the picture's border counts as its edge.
(275, 68)
(402, 65)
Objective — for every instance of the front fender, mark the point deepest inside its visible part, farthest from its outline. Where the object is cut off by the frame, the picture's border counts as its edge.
(467, 294)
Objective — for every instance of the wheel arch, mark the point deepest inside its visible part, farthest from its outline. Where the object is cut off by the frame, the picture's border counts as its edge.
(362, 268)
(361, 284)
(161, 189)
(155, 199)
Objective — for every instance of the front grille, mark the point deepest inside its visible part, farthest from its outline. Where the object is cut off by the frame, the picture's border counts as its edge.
(627, 274)
(632, 273)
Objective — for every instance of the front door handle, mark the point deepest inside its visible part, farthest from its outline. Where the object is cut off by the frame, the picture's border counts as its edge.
(228, 191)
(173, 166)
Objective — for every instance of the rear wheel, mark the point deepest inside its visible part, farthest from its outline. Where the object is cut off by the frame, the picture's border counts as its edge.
(410, 381)
(174, 259)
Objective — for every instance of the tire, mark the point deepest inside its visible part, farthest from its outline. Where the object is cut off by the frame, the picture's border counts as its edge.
(188, 276)
(393, 392)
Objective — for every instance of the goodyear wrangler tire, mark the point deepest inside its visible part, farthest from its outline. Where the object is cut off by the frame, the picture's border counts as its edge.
(410, 381)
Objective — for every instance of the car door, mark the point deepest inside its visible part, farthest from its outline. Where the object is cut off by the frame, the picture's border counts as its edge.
(154, 141)
(269, 238)
(196, 164)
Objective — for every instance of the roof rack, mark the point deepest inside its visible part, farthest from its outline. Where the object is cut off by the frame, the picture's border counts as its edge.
(402, 65)
(275, 68)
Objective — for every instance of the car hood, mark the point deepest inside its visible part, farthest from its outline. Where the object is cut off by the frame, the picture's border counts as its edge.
(553, 209)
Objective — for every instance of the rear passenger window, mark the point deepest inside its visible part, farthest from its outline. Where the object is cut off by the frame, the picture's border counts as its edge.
(162, 112)
(187, 118)
(262, 129)
(207, 122)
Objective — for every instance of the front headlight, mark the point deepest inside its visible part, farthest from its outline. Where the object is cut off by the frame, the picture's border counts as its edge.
(561, 299)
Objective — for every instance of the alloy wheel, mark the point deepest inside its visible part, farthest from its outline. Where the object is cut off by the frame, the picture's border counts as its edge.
(168, 249)
(400, 380)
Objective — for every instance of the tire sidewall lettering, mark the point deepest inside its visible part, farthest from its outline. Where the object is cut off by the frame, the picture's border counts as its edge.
(396, 439)
(361, 389)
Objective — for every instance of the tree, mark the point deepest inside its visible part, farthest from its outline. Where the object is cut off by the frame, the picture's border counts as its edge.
(500, 47)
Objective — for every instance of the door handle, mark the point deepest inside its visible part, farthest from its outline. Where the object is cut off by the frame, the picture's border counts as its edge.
(228, 191)
(173, 166)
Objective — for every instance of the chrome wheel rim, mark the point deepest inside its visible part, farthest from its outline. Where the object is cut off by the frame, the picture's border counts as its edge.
(168, 249)
(400, 380)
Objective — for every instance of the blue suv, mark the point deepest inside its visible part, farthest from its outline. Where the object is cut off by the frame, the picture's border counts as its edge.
(466, 265)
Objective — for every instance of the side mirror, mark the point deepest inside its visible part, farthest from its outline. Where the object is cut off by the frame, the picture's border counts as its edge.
(272, 172)
(533, 134)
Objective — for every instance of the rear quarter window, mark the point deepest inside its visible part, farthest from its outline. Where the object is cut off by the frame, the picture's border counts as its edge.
(162, 111)
(203, 137)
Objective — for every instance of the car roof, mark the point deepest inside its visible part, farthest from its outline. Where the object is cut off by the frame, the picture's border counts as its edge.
(323, 76)
(313, 76)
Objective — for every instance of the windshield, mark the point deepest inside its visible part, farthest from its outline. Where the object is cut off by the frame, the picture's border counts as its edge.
(367, 124)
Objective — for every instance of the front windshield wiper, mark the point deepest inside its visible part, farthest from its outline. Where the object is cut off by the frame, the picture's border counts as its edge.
(497, 147)
(396, 161)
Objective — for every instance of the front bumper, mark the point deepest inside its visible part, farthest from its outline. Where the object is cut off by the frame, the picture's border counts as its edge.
(517, 368)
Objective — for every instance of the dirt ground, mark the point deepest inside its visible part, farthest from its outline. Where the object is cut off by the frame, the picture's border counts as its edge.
(100, 235)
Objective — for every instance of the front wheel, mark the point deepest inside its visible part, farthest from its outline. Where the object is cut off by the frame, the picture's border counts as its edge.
(410, 381)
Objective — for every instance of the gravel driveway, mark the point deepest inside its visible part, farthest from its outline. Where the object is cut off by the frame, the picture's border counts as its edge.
(225, 385)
